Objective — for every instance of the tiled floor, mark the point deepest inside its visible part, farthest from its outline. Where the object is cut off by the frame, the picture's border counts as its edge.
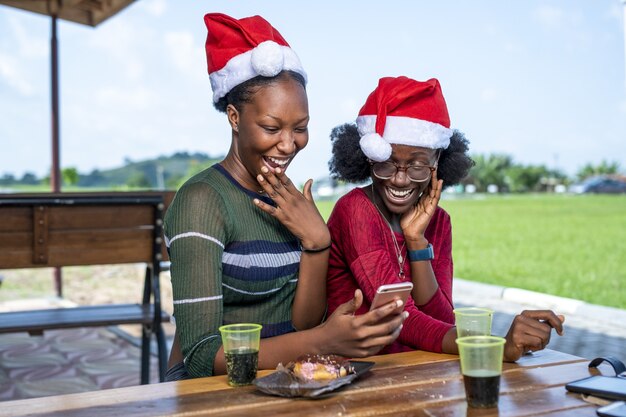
(67, 361)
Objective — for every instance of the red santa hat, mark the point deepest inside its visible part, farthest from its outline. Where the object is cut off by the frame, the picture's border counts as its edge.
(406, 112)
(238, 50)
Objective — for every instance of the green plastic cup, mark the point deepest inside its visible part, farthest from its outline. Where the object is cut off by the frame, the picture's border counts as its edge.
(241, 349)
(473, 321)
(481, 366)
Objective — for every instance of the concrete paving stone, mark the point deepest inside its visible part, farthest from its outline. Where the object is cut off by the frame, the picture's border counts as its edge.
(590, 331)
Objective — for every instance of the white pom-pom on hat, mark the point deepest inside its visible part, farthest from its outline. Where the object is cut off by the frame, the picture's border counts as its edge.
(267, 59)
(375, 147)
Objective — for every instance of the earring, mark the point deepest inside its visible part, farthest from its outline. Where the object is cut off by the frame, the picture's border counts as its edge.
(236, 128)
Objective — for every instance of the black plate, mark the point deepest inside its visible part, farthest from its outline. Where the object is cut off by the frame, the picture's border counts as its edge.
(284, 384)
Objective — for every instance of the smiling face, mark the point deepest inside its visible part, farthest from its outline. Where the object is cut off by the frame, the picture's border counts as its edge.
(269, 130)
(398, 193)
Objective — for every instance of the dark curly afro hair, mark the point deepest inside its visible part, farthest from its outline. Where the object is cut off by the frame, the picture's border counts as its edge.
(243, 92)
(350, 164)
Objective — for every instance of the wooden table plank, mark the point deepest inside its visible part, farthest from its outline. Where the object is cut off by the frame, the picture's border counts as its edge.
(400, 384)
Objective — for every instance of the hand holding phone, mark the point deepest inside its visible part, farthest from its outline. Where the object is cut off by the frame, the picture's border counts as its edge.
(389, 292)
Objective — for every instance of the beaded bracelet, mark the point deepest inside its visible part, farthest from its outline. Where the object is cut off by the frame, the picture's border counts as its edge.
(303, 249)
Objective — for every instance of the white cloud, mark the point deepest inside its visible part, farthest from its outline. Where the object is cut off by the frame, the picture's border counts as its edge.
(187, 57)
(20, 52)
(26, 45)
(490, 30)
(155, 7)
(138, 98)
(512, 47)
(489, 95)
(13, 76)
(616, 11)
(549, 16)
(126, 44)
(350, 107)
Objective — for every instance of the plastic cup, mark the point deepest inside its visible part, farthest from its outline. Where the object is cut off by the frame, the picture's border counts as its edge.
(481, 366)
(241, 349)
(473, 321)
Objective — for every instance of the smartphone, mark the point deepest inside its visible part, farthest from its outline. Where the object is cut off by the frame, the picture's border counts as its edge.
(616, 409)
(389, 292)
(610, 387)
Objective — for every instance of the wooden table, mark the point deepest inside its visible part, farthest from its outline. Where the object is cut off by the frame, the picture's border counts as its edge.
(412, 383)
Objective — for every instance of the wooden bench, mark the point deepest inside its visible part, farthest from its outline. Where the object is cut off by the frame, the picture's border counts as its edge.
(62, 229)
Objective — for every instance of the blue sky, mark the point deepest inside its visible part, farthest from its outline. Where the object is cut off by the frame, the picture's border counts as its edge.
(543, 81)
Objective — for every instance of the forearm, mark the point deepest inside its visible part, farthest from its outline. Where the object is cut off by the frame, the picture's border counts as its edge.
(424, 282)
(448, 344)
(309, 303)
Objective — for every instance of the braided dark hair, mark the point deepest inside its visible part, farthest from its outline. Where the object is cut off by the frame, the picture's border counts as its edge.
(350, 164)
(243, 92)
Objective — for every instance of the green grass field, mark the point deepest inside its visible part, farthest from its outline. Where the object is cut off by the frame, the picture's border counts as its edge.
(570, 246)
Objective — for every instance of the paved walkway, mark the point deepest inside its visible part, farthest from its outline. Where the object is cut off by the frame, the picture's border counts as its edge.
(590, 330)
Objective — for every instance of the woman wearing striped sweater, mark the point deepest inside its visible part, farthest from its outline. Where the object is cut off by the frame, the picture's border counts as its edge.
(245, 244)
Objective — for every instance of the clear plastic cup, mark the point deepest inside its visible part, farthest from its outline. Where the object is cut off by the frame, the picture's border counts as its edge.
(473, 321)
(481, 366)
(241, 349)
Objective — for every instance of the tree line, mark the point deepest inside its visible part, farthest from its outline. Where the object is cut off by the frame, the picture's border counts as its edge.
(499, 170)
(163, 172)
(507, 175)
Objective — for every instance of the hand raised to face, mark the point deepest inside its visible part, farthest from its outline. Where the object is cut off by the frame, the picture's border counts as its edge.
(415, 221)
(294, 209)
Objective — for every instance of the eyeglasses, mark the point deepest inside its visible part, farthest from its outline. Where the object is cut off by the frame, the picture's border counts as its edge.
(416, 173)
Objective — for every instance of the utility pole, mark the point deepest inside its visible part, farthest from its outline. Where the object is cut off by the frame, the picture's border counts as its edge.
(624, 28)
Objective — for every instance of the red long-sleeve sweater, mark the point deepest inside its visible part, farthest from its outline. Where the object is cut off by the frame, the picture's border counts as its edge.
(363, 256)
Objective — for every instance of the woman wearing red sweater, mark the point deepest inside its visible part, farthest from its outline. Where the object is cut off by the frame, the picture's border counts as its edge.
(392, 229)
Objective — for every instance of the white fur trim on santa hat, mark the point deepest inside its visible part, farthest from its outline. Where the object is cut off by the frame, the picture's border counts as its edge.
(375, 147)
(407, 131)
(267, 59)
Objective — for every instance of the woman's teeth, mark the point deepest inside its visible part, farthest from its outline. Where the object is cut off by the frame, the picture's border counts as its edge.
(279, 162)
(399, 193)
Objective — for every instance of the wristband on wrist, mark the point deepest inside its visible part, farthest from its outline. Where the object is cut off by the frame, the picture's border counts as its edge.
(426, 254)
(303, 249)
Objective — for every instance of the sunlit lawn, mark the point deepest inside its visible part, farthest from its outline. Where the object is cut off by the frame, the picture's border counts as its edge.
(571, 246)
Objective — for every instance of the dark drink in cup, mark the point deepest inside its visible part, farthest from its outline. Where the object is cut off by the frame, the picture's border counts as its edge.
(482, 389)
(241, 342)
(241, 366)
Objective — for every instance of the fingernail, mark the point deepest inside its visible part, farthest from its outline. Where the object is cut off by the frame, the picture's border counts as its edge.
(405, 314)
(399, 303)
(259, 178)
(278, 171)
(264, 170)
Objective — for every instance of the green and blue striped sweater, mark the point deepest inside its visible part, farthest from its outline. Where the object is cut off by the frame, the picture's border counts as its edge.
(231, 263)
